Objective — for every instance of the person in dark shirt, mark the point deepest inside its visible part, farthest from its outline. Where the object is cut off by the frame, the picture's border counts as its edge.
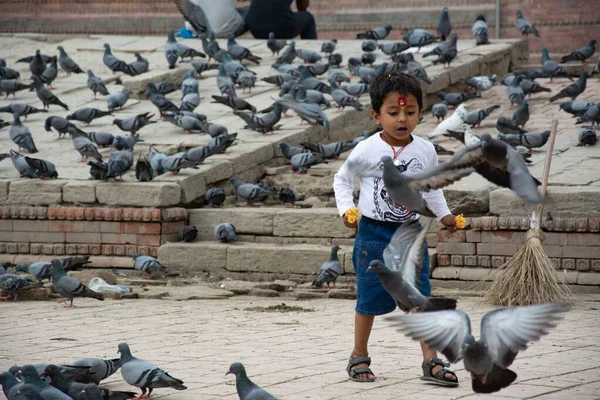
(277, 16)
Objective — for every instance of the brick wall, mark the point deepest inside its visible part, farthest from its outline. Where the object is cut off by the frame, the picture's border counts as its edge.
(488, 242)
(90, 231)
(564, 25)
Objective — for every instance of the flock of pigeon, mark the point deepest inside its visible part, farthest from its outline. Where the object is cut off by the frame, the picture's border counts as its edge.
(501, 160)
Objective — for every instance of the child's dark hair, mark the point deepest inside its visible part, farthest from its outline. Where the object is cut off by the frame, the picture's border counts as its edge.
(384, 84)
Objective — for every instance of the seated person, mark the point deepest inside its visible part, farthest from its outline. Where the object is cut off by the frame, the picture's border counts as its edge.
(276, 16)
(222, 15)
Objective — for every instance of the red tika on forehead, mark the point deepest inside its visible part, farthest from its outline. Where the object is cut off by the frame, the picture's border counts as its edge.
(402, 102)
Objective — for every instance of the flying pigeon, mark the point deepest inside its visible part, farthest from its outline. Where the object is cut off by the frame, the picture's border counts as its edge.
(531, 140)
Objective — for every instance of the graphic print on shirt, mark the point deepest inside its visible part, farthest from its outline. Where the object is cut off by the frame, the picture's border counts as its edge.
(385, 209)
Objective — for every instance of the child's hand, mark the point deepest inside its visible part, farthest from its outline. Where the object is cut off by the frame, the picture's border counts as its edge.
(449, 221)
(348, 224)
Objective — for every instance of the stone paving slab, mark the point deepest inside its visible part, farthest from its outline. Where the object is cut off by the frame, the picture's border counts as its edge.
(294, 355)
(87, 52)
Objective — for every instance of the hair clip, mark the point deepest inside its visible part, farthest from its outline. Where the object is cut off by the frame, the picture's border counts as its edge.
(402, 102)
(389, 75)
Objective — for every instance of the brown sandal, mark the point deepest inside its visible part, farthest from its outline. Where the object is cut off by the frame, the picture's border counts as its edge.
(353, 373)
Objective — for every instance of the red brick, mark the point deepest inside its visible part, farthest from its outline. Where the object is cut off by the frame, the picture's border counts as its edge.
(473, 236)
(444, 235)
(583, 239)
(174, 214)
(144, 228)
(118, 238)
(66, 226)
(148, 240)
(497, 249)
(102, 227)
(173, 237)
(502, 237)
(581, 251)
(456, 248)
(171, 227)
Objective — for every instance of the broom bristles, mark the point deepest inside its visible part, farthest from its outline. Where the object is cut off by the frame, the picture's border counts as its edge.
(528, 278)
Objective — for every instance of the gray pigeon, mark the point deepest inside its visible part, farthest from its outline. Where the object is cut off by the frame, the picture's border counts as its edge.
(61, 125)
(11, 86)
(418, 38)
(454, 99)
(481, 31)
(119, 163)
(524, 26)
(46, 96)
(67, 63)
(582, 54)
(307, 110)
(290, 151)
(239, 52)
(224, 233)
(390, 49)
(442, 48)
(376, 33)
(499, 163)
(343, 99)
(531, 140)
(50, 73)
(265, 123)
(92, 392)
(14, 284)
(215, 196)
(328, 46)
(275, 45)
(246, 389)
(134, 124)
(521, 114)
(225, 84)
(87, 115)
(117, 100)
(143, 170)
(278, 79)
(551, 68)
(112, 62)
(44, 169)
(587, 137)
(400, 270)
(145, 375)
(21, 135)
(221, 143)
(21, 165)
(415, 68)
(406, 189)
(189, 102)
(31, 376)
(330, 270)
(8, 382)
(592, 115)
(369, 45)
(68, 287)
(189, 84)
(37, 65)
(249, 191)
(440, 110)
(329, 150)
(139, 66)
(201, 66)
(175, 163)
(246, 80)
(474, 118)
(288, 196)
(573, 90)
(308, 56)
(515, 93)
(303, 161)
(504, 333)
(289, 54)
(337, 75)
(310, 82)
(96, 85)
(160, 101)
(26, 392)
(148, 264)
(84, 146)
(187, 233)
(529, 87)
(97, 368)
(507, 125)
(444, 26)
(21, 108)
(174, 50)
(368, 58)
(102, 139)
(364, 136)
(481, 83)
(235, 103)
(9, 73)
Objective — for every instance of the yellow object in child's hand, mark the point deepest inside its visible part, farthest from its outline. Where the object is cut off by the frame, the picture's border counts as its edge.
(461, 222)
(352, 215)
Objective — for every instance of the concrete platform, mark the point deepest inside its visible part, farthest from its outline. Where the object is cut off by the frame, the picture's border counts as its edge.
(246, 158)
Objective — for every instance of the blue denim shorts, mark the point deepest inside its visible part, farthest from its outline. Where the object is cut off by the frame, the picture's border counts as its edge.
(371, 239)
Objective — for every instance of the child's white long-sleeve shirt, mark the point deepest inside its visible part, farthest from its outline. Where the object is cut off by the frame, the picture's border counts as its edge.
(374, 201)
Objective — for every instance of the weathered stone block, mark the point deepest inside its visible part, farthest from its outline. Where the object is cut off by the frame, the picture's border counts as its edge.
(470, 195)
(80, 192)
(143, 194)
(446, 273)
(35, 192)
(561, 201)
(4, 183)
(296, 259)
(193, 258)
(258, 221)
(319, 222)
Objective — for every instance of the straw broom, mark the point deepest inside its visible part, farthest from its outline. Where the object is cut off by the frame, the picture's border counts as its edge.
(529, 277)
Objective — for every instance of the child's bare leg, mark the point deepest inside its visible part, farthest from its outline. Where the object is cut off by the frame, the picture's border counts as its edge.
(362, 330)
(428, 354)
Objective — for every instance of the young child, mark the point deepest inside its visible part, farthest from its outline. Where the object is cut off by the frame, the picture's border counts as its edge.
(397, 103)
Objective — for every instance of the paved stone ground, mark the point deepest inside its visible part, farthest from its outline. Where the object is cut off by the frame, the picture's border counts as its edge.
(294, 355)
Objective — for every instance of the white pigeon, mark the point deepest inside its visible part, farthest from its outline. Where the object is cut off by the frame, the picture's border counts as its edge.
(470, 138)
(453, 123)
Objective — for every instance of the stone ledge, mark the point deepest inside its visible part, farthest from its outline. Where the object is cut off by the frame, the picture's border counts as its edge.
(35, 192)
(143, 194)
(93, 213)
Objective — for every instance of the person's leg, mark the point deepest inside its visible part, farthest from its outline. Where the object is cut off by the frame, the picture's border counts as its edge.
(304, 25)
(362, 330)
(425, 289)
(243, 11)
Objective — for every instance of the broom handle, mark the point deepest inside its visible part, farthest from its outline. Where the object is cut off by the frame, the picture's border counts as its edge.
(547, 162)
